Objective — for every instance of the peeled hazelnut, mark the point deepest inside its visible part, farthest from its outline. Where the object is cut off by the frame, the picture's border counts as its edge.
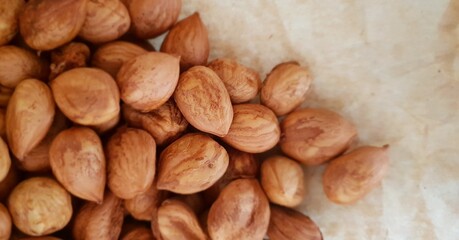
(5, 223)
(139, 233)
(48, 24)
(254, 129)
(143, 205)
(241, 211)
(8, 183)
(286, 224)
(193, 170)
(165, 124)
(131, 162)
(188, 39)
(203, 99)
(242, 83)
(314, 136)
(99, 221)
(5, 160)
(282, 180)
(17, 64)
(106, 20)
(87, 96)
(3, 123)
(5, 95)
(285, 87)
(177, 220)
(149, 80)
(353, 175)
(29, 116)
(110, 56)
(40, 206)
(77, 160)
(70, 56)
(106, 126)
(10, 10)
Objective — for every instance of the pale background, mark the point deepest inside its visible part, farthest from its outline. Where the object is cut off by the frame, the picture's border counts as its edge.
(392, 68)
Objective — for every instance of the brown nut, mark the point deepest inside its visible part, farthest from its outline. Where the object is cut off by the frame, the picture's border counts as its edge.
(241, 165)
(111, 56)
(131, 162)
(8, 183)
(87, 96)
(99, 221)
(254, 129)
(48, 24)
(165, 124)
(106, 126)
(147, 81)
(29, 116)
(177, 220)
(17, 64)
(143, 205)
(70, 56)
(314, 136)
(106, 20)
(77, 160)
(353, 175)
(203, 99)
(286, 224)
(285, 88)
(40, 206)
(5, 160)
(10, 10)
(138, 233)
(5, 223)
(193, 170)
(150, 22)
(242, 83)
(188, 39)
(241, 211)
(282, 180)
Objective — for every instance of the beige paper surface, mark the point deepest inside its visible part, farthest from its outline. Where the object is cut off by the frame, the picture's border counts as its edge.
(391, 67)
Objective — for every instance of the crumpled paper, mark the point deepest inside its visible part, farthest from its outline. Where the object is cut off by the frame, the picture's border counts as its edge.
(392, 68)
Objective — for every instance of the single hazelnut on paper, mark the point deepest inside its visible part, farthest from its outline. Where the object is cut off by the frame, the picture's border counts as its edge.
(10, 10)
(69, 56)
(5, 223)
(286, 224)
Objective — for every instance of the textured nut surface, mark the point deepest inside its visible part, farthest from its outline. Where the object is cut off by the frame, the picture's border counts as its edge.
(10, 10)
(5, 223)
(165, 124)
(285, 88)
(204, 101)
(5, 160)
(87, 96)
(351, 176)
(314, 136)
(106, 126)
(286, 224)
(193, 170)
(254, 129)
(241, 165)
(241, 211)
(143, 205)
(78, 163)
(139, 233)
(29, 116)
(148, 80)
(69, 56)
(47, 24)
(242, 83)
(282, 180)
(131, 161)
(188, 39)
(177, 220)
(40, 206)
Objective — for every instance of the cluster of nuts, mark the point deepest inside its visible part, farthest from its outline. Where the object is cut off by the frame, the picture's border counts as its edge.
(101, 134)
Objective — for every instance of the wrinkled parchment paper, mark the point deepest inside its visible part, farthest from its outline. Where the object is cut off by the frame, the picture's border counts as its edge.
(392, 68)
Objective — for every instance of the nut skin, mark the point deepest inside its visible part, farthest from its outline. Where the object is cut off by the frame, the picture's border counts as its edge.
(29, 116)
(40, 206)
(286, 224)
(242, 83)
(194, 170)
(87, 96)
(69, 56)
(165, 124)
(139, 233)
(111, 56)
(5, 160)
(10, 10)
(78, 163)
(241, 211)
(17, 64)
(254, 129)
(282, 180)
(176, 220)
(141, 206)
(314, 136)
(145, 88)
(149, 22)
(99, 221)
(285, 88)
(131, 162)
(5, 223)
(106, 20)
(353, 175)
(203, 99)
(48, 24)
(188, 39)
